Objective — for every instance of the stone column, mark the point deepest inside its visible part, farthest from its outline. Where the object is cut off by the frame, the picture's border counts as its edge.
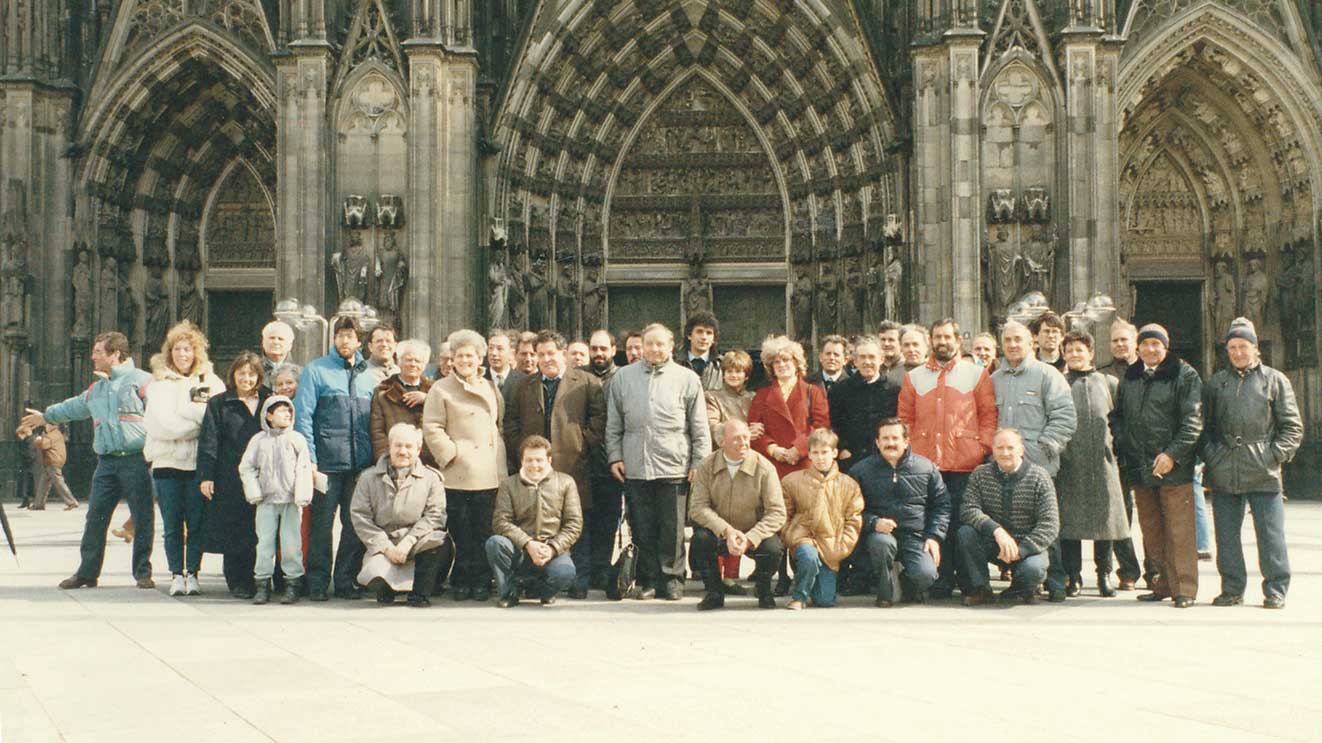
(303, 216)
(445, 291)
(1092, 161)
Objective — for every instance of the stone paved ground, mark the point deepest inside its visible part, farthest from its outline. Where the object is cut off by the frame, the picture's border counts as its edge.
(119, 664)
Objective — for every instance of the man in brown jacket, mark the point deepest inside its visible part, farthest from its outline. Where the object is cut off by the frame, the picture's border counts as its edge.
(48, 467)
(568, 408)
(737, 508)
(537, 520)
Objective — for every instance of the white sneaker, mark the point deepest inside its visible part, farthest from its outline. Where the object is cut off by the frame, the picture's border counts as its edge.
(193, 588)
(177, 585)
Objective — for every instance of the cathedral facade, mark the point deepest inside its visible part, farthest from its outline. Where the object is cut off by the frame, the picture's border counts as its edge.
(806, 166)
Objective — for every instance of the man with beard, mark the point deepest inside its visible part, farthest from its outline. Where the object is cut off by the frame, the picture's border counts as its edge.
(600, 524)
(949, 404)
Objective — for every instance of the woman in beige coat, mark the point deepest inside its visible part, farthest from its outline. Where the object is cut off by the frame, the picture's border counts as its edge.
(824, 514)
(461, 426)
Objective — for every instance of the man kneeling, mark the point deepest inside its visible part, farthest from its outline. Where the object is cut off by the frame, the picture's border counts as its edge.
(736, 507)
(823, 511)
(1010, 517)
(537, 519)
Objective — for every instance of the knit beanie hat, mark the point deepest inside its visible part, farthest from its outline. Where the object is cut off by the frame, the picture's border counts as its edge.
(1153, 330)
(1242, 327)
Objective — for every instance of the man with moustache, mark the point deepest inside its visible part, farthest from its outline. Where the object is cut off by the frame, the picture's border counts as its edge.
(600, 524)
(1124, 344)
(949, 404)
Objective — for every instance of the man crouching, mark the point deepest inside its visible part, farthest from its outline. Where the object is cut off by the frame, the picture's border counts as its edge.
(737, 508)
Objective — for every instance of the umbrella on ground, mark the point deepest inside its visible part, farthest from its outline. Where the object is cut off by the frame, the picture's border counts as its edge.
(9, 533)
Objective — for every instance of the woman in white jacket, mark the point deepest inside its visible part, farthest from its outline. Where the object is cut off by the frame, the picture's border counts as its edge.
(182, 382)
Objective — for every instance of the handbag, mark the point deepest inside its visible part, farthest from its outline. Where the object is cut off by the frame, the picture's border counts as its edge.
(623, 572)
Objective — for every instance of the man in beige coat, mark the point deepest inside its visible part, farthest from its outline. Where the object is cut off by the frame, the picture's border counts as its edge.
(737, 509)
(567, 407)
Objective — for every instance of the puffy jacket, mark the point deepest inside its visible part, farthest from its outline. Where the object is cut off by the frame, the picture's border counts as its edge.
(1022, 502)
(824, 511)
(175, 406)
(115, 405)
(1035, 399)
(548, 512)
(1253, 427)
(1161, 414)
(333, 411)
(275, 468)
(855, 408)
(912, 494)
(656, 421)
(951, 412)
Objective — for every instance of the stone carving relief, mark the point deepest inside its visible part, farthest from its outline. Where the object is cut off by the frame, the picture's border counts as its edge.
(1256, 288)
(156, 300)
(240, 227)
(1224, 294)
(1297, 289)
(354, 267)
(16, 282)
(83, 300)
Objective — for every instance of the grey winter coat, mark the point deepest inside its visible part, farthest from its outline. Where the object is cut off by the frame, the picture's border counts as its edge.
(1092, 503)
(656, 421)
(276, 467)
(1035, 399)
(1253, 427)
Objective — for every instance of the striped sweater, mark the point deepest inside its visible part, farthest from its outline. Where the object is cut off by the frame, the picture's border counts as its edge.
(1023, 502)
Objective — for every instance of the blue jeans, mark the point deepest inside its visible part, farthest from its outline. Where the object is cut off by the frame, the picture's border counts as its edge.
(339, 493)
(125, 477)
(508, 563)
(884, 550)
(812, 578)
(1269, 526)
(283, 521)
(977, 549)
(181, 507)
(1202, 526)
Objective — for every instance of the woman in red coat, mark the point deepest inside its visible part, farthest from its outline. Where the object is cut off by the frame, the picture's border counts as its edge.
(789, 408)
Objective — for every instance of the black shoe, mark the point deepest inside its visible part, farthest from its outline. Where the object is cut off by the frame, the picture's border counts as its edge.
(385, 595)
(943, 592)
(674, 590)
(418, 600)
(917, 597)
(882, 603)
(352, 593)
(263, 593)
(461, 593)
(36, 508)
(291, 591)
(1183, 602)
(548, 600)
(782, 588)
(77, 581)
(1074, 586)
(506, 602)
(712, 600)
(1273, 602)
(642, 593)
(1057, 595)
(317, 594)
(1204, 556)
(23, 505)
(482, 594)
(1154, 596)
(1228, 599)
(578, 593)
(979, 597)
(1104, 586)
(1012, 596)
(732, 587)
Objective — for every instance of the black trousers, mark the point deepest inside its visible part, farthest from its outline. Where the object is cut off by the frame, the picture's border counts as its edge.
(657, 509)
(428, 568)
(468, 517)
(706, 546)
(238, 568)
(1071, 554)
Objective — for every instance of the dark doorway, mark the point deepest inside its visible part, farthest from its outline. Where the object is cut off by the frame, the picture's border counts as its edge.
(1177, 306)
(234, 323)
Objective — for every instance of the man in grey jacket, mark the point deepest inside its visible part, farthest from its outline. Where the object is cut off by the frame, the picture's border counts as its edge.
(1034, 399)
(1252, 428)
(656, 434)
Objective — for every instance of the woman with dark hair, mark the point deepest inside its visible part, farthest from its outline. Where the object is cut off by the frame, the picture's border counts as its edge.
(228, 525)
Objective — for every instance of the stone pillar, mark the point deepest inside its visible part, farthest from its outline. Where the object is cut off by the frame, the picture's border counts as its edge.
(303, 217)
(443, 189)
(1092, 162)
(947, 193)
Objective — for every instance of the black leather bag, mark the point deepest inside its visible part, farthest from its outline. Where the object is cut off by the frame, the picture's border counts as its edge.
(623, 573)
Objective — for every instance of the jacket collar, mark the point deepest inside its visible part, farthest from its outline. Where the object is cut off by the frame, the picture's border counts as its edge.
(393, 388)
(382, 469)
(1011, 477)
(1250, 369)
(823, 477)
(1024, 365)
(1167, 369)
(339, 363)
(651, 368)
(122, 369)
(935, 365)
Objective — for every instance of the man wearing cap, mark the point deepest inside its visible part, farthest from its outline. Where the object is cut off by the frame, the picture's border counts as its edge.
(1253, 427)
(1156, 423)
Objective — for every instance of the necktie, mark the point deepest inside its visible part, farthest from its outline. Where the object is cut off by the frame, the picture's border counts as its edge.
(699, 365)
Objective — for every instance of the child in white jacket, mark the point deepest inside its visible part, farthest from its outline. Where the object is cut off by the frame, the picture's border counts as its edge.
(276, 471)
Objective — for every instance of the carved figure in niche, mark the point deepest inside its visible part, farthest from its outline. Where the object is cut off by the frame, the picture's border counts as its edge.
(1039, 262)
(828, 298)
(697, 291)
(13, 273)
(801, 304)
(894, 283)
(1037, 206)
(355, 211)
(855, 290)
(1298, 302)
(594, 298)
(500, 283)
(128, 313)
(875, 310)
(566, 289)
(1223, 296)
(1004, 274)
(1255, 289)
(82, 295)
(109, 291)
(393, 270)
(538, 294)
(156, 298)
(190, 305)
(516, 307)
(1000, 206)
(354, 268)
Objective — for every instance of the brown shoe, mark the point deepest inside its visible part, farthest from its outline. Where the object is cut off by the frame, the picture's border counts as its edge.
(1125, 584)
(77, 581)
(146, 583)
(979, 597)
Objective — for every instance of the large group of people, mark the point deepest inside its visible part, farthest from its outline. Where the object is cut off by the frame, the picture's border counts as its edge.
(909, 461)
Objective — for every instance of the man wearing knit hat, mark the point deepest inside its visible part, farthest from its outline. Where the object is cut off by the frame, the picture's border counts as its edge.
(1253, 427)
(1156, 423)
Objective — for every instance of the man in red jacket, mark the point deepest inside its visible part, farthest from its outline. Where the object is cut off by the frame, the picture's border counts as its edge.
(950, 406)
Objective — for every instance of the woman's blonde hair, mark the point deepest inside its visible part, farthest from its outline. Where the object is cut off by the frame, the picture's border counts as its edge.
(775, 345)
(181, 332)
(737, 360)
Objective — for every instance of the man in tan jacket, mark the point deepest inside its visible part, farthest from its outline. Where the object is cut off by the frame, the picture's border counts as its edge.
(537, 520)
(737, 509)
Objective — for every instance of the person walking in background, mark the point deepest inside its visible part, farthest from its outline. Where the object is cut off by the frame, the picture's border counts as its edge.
(49, 455)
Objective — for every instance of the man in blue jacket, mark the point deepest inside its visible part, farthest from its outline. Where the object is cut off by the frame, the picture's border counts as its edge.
(115, 404)
(906, 512)
(333, 410)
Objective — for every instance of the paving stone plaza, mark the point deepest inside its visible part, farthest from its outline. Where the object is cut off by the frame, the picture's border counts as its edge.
(116, 663)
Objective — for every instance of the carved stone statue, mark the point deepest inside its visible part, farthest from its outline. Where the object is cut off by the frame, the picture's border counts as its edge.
(1000, 206)
(566, 291)
(1004, 275)
(876, 291)
(109, 289)
(1037, 205)
(539, 291)
(190, 305)
(393, 270)
(828, 299)
(355, 211)
(354, 269)
(594, 298)
(499, 283)
(1297, 289)
(801, 304)
(1255, 291)
(855, 290)
(82, 295)
(1039, 263)
(128, 313)
(14, 275)
(894, 284)
(1223, 297)
(697, 291)
(156, 300)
